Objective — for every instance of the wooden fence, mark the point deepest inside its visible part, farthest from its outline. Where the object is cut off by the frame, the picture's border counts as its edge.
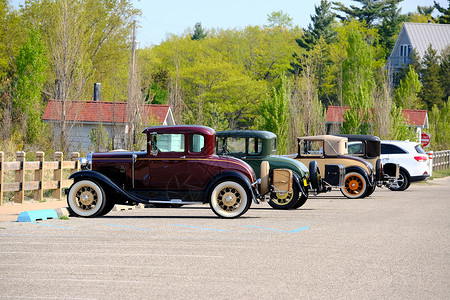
(40, 183)
(441, 160)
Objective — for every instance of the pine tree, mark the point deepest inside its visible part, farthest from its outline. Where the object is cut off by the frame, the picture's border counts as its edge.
(432, 92)
(199, 32)
(321, 26)
(445, 17)
(444, 72)
(370, 12)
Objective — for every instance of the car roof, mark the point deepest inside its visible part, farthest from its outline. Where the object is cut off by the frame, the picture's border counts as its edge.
(359, 137)
(247, 134)
(334, 145)
(180, 129)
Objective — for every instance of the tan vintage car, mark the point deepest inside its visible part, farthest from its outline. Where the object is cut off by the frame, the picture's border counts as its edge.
(359, 180)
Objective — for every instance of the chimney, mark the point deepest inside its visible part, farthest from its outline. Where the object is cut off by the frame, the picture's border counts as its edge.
(97, 91)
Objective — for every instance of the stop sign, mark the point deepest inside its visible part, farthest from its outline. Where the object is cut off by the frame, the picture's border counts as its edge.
(425, 139)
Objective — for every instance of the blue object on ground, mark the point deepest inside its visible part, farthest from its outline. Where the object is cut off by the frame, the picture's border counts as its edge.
(33, 215)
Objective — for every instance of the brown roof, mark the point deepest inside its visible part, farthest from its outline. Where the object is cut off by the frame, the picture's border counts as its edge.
(101, 111)
(416, 117)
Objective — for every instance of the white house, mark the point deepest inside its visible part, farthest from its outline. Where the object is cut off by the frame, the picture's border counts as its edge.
(418, 37)
(87, 115)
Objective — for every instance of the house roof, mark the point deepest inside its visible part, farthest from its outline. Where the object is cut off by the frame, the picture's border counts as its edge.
(104, 112)
(421, 35)
(416, 117)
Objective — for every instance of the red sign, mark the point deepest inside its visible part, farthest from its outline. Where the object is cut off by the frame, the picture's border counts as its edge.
(425, 139)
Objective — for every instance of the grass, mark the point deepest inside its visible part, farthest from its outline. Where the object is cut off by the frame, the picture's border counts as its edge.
(440, 174)
(64, 218)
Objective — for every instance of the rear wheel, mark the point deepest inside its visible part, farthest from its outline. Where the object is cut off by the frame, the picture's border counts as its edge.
(303, 198)
(402, 182)
(86, 198)
(229, 199)
(355, 185)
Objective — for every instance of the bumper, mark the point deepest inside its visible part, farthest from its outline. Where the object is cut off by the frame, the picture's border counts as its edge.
(419, 178)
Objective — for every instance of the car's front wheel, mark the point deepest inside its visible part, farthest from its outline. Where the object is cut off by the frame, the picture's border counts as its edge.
(86, 198)
(402, 183)
(355, 185)
(229, 199)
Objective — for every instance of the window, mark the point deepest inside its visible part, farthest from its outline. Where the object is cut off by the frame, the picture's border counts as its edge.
(419, 149)
(391, 149)
(356, 148)
(405, 50)
(236, 145)
(196, 143)
(254, 146)
(168, 142)
(311, 147)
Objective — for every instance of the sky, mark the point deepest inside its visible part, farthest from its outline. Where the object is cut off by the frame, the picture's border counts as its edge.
(160, 18)
(163, 17)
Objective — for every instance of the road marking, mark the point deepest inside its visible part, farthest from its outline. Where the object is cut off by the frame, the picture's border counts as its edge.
(202, 228)
(49, 225)
(291, 231)
(130, 227)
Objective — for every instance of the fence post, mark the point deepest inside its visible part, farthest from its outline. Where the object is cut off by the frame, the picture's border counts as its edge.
(39, 176)
(57, 176)
(2, 159)
(20, 177)
(75, 156)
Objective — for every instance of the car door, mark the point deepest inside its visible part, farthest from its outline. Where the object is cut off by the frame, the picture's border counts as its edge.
(167, 163)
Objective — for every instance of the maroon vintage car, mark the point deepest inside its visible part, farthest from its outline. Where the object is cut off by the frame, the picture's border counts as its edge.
(178, 167)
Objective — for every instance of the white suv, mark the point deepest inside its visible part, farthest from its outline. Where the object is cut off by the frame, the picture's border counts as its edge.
(413, 161)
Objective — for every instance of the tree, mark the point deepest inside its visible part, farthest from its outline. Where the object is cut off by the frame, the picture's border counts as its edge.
(370, 12)
(445, 17)
(406, 93)
(432, 92)
(390, 25)
(440, 127)
(444, 72)
(357, 85)
(275, 114)
(199, 32)
(31, 65)
(279, 19)
(321, 26)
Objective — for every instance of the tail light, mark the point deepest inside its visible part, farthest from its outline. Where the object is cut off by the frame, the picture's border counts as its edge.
(421, 158)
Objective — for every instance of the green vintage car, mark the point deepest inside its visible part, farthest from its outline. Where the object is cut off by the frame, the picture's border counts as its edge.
(259, 147)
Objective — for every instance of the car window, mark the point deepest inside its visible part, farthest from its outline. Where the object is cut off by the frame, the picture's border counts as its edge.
(254, 146)
(355, 148)
(311, 147)
(391, 149)
(419, 149)
(168, 142)
(196, 143)
(274, 144)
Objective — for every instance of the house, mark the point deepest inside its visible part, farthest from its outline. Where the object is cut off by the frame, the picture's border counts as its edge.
(418, 36)
(415, 117)
(88, 115)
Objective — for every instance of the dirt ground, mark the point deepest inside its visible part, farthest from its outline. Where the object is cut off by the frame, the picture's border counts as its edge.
(10, 211)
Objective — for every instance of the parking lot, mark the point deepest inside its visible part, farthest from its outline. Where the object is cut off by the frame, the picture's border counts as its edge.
(392, 245)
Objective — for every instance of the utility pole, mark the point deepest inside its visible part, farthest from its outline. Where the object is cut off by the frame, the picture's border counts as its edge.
(133, 103)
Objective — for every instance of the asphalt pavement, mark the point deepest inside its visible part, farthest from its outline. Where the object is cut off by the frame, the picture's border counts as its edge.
(391, 245)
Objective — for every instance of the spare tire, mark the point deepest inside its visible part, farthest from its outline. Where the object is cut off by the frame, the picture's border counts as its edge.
(264, 174)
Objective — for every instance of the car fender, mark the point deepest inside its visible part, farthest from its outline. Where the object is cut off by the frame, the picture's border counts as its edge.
(106, 184)
(298, 181)
(230, 175)
(362, 172)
